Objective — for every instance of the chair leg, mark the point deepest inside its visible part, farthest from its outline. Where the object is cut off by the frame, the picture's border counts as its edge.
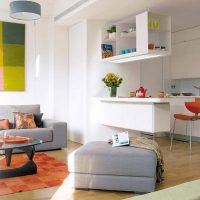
(186, 132)
(172, 134)
(191, 127)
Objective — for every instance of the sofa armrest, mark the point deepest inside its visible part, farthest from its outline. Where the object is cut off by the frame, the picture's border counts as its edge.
(59, 132)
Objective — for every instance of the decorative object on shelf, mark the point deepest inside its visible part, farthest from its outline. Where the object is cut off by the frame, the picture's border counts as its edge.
(107, 50)
(163, 48)
(131, 29)
(12, 56)
(161, 94)
(150, 24)
(25, 10)
(125, 51)
(156, 24)
(112, 81)
(150, 46)
(132, 94)
(112, 33)
(133, 49)
(141, 92)
(121, 52)
(113, 91)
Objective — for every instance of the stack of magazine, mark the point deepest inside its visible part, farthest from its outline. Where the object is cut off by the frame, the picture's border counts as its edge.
(120, 139)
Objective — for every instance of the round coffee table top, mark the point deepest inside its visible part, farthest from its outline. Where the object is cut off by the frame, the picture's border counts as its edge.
(31, 142)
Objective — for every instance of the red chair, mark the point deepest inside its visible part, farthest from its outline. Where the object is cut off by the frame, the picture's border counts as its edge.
(193, 107)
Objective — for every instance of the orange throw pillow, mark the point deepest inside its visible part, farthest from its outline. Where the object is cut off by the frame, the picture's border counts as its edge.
(4, 124)
(24, 120)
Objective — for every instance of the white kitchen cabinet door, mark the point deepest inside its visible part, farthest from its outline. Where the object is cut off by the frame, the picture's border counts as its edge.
(185, 60)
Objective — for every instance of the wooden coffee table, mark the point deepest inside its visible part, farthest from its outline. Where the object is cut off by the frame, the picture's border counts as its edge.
(29, 167)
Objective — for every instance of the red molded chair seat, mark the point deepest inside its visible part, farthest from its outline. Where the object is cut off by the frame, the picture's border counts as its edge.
(193, 107)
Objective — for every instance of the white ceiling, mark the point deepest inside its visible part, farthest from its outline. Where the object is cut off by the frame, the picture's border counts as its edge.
(185, 13)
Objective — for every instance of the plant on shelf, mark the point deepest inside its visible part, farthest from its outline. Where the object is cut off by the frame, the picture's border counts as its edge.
(112, 32)
(112, 81)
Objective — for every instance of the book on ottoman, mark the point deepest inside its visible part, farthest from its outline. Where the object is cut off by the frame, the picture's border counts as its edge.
(120, 139)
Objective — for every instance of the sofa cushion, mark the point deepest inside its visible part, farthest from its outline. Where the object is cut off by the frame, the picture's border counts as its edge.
(4, 124)
(24, 120)
(102, 158)
(38, 120)
(44, 134)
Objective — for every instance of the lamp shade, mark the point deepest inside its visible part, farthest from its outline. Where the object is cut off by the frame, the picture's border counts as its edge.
(25, 10)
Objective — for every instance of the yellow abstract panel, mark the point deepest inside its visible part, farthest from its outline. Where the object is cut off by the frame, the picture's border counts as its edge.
(1, 55)
(13, 78)
(1, 46)
(1, 33)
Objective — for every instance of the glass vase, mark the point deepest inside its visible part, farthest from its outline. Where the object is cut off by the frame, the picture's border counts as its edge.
(113, 91)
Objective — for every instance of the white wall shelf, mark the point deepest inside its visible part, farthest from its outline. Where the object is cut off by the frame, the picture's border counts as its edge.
(151, 28)
(135, 56)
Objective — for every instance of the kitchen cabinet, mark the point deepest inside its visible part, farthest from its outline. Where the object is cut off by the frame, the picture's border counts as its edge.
(185, 57)
(185, 60)
(150, 115)
(148, 28)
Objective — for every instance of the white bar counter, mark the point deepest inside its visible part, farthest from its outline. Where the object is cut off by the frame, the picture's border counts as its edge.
(136, 100)
(142, 114)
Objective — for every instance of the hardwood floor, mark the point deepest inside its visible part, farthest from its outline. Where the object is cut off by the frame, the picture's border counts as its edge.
(180, 167)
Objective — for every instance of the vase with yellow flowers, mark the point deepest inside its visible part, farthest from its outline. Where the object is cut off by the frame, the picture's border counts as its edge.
(112, 81)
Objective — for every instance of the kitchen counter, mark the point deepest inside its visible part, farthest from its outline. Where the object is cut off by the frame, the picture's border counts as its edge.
(136, 100)
(142, 114)
(147, 100)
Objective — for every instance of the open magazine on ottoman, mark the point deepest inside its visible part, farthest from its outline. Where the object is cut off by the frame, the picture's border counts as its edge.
(120, 139)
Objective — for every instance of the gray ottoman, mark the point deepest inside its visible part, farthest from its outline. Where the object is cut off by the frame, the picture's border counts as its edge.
(98, 165)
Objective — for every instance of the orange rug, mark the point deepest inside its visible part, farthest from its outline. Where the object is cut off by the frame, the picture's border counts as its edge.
(50, 172)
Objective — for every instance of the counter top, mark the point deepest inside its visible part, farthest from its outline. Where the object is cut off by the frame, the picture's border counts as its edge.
(184, 96)
(146, 100)
(136, 100)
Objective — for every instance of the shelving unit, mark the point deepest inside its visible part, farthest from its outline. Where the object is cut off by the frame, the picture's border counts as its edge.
(151, 28)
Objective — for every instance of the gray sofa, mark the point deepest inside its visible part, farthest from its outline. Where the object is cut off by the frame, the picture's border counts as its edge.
(53, 133)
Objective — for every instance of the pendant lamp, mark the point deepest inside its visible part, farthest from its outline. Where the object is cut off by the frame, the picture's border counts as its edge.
(25, 10)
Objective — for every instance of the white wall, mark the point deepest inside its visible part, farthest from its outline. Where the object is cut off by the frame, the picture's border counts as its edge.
(37, 67)
(155, 75)
(77, 82)
(60, 74)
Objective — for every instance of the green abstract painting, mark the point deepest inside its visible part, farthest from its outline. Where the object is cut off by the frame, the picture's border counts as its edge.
(12, 56)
